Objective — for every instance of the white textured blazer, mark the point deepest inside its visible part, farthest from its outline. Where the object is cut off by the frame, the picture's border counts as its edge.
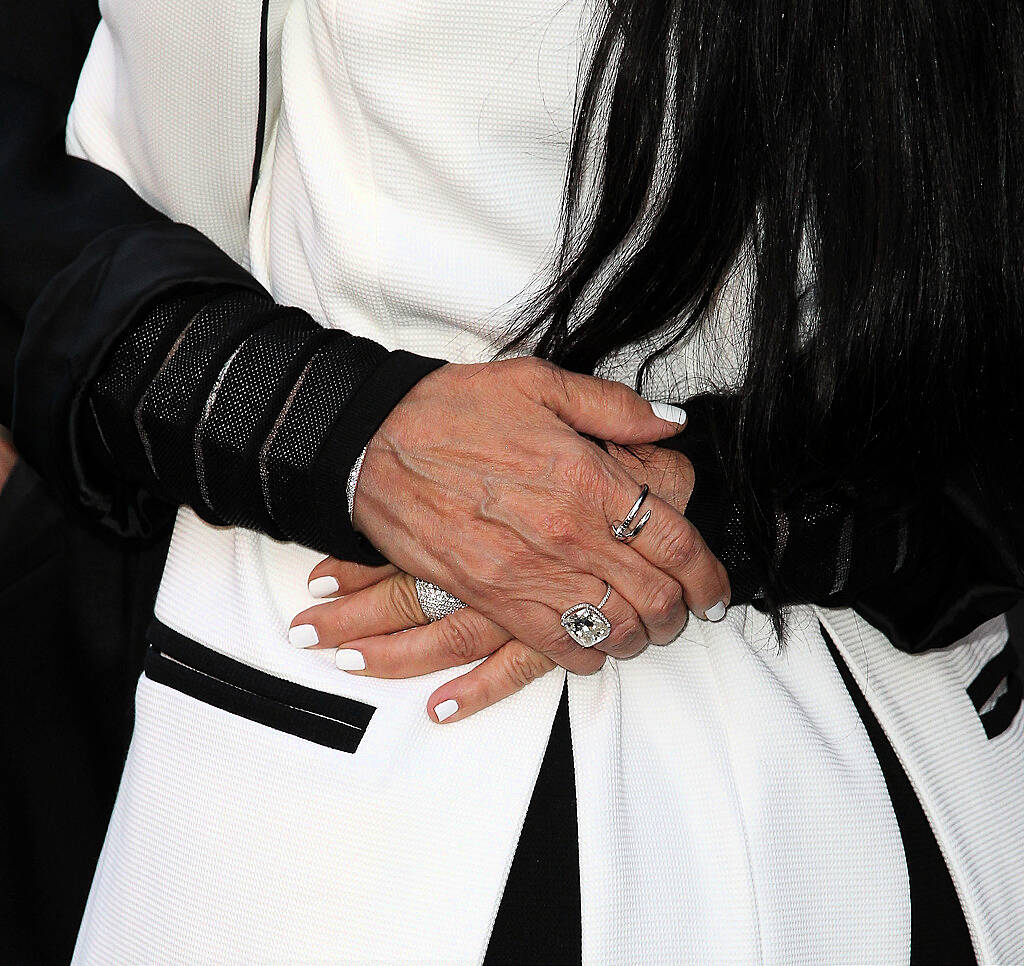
(404, 162)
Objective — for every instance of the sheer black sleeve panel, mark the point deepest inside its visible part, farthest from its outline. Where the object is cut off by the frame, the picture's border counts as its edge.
(924, 570)
(249, 412)
(95, 282)
(70, 330)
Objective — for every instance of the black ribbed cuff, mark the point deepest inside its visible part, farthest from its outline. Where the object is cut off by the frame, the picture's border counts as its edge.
(712, 508)
(382, 390)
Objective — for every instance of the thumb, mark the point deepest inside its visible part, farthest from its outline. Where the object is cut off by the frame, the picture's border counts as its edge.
(610, 410)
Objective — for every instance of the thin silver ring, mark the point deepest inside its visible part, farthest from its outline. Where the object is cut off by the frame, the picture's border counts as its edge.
(436, 602)
(624, 530)
(586, 624)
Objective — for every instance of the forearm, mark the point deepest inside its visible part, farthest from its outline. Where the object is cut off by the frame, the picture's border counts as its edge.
(248, 411)
(91, 278)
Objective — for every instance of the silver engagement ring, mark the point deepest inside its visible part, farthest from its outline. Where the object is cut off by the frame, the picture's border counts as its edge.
(586, 624)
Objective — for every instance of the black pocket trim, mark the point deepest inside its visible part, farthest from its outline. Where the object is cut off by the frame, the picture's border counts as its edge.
(1002, 667)
(328, 719)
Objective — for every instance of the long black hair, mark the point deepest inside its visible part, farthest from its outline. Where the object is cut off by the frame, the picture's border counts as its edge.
(864, 158)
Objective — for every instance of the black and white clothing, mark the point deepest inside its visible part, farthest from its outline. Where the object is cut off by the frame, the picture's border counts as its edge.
(403, 194)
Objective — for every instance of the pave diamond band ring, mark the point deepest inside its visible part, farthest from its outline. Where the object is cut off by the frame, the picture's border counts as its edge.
(435, 602)
(625, 530)
(586, 624)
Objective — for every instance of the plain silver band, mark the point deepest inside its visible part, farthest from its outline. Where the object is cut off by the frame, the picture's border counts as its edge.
(435, 602)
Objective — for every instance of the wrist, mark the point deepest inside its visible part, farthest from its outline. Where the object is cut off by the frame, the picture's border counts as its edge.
(340, 460)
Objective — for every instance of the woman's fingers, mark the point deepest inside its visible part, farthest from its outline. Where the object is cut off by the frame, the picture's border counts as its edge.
(459, 638)
(372, 616)
(627, 636)
(334, 578)
(389, 605)
(506, 671)
(497, 510)
(676, 550)
(655, 597)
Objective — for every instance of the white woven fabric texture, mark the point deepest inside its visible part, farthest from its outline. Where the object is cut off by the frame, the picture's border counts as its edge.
(731, 810)
(971, 787)
(731, 807)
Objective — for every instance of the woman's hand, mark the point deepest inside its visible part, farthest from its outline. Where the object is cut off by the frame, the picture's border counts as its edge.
(380, 631)
(480, 482)
(373, 603)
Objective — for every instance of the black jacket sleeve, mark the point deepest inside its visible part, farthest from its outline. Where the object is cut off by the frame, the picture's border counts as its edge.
(45, 46)
(90, 271)
(925, 565)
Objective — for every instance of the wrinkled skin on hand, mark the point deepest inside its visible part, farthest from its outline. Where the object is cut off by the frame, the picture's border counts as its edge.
(371, 604)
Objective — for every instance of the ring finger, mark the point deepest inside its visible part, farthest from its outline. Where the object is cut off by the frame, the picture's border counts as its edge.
(544, 628)
(676, 546)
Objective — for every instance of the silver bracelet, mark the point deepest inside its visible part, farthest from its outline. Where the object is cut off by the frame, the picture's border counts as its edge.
(353, 481)
(435, 602)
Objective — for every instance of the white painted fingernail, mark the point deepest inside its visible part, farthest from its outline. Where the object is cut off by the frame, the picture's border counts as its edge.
(303, 635)
(716, 612)
(349, 659)
(671, 413)
(323, 586)
(446, 709)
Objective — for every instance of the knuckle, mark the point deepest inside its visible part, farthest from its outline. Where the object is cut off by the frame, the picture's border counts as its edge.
(523, 666)
(619, 398)
(589, 662)
(626, 651)
(568, 388)
(556, 527)
(402, 599)
(538, 375)
(457, 639)
(557, 377)
(582, 474)
(627, 637)
(681, 545)
(664, 600)
(557, 645)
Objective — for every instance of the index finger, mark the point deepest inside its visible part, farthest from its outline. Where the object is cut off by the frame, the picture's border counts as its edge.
(336, 578)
